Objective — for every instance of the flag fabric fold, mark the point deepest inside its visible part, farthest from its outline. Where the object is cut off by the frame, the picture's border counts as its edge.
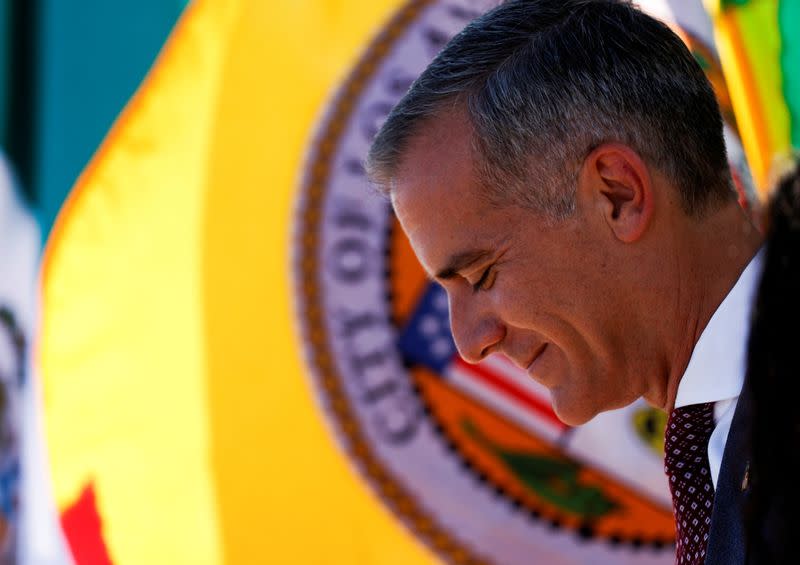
(179, 422)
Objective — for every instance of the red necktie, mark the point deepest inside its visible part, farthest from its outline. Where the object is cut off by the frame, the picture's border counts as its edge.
(686, 466)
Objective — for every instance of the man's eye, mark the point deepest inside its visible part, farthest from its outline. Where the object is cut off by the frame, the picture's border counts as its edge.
(485, 282)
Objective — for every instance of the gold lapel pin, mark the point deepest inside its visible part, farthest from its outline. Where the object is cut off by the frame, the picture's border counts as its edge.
(746, 478)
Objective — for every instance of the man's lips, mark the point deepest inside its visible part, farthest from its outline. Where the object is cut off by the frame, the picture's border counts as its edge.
(536, 356)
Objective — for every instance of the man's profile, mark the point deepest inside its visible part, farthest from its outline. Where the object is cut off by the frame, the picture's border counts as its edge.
(560, 170)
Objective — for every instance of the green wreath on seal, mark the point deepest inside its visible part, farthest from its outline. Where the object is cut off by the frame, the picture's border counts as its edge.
(553, 479)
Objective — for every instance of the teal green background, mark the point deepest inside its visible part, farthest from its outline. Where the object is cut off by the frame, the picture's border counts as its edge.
(4, 55)
(789, 21)
(90, 56)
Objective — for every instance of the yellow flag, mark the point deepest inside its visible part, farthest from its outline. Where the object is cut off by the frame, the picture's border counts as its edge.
(181, 426)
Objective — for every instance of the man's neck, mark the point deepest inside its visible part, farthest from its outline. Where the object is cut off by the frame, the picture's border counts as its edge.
(713, 254)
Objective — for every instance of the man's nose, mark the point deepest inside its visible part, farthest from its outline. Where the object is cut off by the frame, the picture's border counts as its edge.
(477, 332)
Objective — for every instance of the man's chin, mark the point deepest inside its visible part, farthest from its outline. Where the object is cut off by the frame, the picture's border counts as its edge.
(572, 413)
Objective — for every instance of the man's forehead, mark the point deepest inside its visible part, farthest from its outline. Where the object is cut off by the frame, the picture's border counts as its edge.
(438, 198)
(448, 237)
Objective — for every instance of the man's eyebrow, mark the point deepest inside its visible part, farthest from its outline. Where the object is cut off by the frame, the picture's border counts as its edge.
(461, 261)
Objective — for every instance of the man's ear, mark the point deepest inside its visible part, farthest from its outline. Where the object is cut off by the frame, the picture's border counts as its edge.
(618, 183)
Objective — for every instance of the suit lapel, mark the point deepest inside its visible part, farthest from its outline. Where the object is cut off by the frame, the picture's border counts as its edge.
(727, 544)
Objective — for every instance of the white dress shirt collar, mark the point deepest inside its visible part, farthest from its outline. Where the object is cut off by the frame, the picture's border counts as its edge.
(717, 367)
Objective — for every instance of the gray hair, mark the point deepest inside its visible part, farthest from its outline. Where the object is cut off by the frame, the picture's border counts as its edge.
(544, 82)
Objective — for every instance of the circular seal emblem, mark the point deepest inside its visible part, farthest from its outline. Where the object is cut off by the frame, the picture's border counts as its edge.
(470, 457)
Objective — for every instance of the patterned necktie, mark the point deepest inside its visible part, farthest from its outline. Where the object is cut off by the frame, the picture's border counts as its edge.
(686, 466)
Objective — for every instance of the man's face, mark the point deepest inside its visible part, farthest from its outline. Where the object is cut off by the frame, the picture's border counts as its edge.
(541, 292)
